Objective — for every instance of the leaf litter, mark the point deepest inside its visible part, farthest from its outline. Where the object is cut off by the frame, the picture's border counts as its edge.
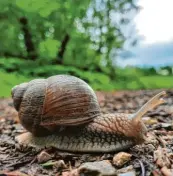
(154, 157)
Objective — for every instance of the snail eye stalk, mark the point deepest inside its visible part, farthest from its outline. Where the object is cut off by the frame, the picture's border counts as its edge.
(152, 103)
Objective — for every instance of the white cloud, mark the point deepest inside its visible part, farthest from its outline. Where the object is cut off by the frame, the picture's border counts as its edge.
(157, 54)
(148, 62)
(154, 21)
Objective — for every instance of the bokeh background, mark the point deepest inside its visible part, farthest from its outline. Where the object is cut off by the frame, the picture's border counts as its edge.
(112, 45)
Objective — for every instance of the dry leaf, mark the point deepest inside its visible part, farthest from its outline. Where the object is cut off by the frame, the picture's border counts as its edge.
(166, 171)
(161, 157)
(43, 157)
(121, 158)
(14, 173)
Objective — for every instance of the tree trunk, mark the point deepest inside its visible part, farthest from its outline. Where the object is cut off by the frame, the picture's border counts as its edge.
(31, 52)
(62, 49)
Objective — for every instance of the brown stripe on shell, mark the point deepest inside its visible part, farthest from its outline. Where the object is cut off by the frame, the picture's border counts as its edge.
(69, 101)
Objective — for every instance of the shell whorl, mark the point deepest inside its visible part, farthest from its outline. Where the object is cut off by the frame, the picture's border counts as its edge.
(30, 111)
(17, 94)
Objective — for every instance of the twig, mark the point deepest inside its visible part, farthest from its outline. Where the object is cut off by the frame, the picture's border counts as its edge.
(142, 167)
(18, 158)
(23, 156)
(35, 158)
(19, 163)
(70, 167)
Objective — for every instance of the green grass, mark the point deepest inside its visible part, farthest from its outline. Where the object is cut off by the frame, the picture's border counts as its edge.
(151, 82)
(7, 81)
(157, 81)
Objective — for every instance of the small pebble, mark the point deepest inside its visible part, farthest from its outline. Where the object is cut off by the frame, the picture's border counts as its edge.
(97, 168)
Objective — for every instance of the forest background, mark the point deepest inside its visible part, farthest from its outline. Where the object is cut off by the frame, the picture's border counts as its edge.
(40, 38)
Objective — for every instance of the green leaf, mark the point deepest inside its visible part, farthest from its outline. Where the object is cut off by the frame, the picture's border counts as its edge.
(49, 163)
(49, 48)
(43, 7)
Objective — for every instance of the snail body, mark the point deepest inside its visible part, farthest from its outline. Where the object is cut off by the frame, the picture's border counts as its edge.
(92, 137)
(62, 111)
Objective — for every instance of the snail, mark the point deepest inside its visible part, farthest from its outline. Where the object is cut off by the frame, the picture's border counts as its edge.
(62, 111)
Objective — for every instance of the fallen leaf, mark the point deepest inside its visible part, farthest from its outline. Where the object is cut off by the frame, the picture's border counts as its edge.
(14, 173)
(161, 157)
(121, 158)
(49, 163)
(74, 172)
(43, 157)
(166, 171)
(60, 165)
(151, 139)
(149, 120)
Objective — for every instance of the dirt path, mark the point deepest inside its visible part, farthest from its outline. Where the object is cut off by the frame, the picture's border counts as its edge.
(154, 157)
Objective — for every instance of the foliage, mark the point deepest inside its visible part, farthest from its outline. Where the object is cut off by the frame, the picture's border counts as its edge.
(31, 69)
(40, 38)
(48, 48)
(127, 78)
(8, 80)
(97, 81)
(83, 34)
(157, 81)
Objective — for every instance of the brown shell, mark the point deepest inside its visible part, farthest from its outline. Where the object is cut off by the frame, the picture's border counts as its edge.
(31, 106)
(68, 101)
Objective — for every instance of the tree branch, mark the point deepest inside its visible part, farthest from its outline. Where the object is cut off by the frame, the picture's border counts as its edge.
(28, 38)
(63, 48)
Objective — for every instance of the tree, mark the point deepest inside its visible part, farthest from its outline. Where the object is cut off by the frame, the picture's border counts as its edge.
(85, 34)
(104, 24)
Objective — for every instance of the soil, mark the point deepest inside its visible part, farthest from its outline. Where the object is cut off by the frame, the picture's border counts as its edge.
(154, 157)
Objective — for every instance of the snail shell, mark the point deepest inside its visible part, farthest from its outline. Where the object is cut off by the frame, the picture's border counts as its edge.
(61, 100)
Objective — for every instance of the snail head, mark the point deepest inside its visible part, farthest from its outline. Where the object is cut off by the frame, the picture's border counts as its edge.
(138, 124)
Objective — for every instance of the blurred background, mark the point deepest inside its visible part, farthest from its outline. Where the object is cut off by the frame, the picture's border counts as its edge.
(112, 45)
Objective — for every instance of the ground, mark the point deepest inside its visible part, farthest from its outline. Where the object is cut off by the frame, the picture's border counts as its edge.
(154, 157)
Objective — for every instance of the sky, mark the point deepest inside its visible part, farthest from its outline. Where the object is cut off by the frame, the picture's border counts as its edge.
(154, 23)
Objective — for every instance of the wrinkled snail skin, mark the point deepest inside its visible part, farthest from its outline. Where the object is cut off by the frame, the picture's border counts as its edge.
(63, 112)
(105, 134)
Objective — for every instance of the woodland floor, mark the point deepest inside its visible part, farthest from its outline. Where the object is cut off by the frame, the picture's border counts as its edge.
(154, 157)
